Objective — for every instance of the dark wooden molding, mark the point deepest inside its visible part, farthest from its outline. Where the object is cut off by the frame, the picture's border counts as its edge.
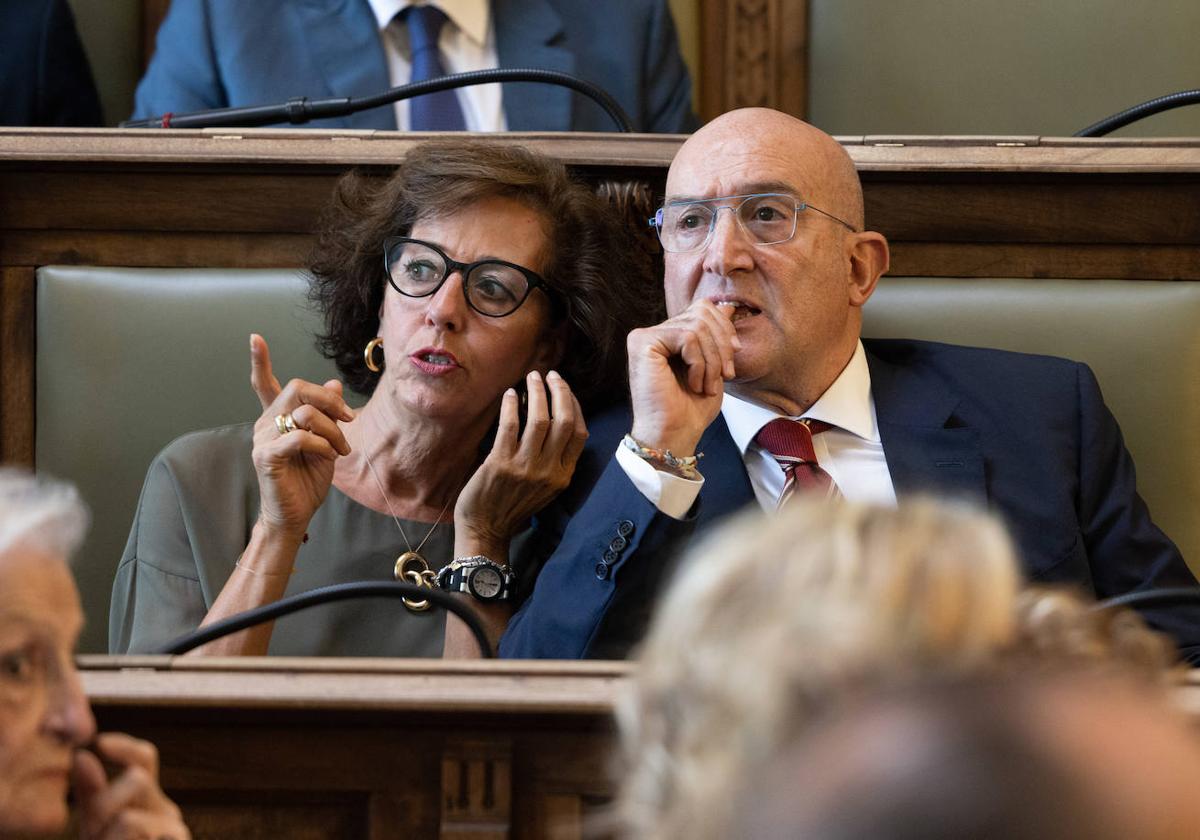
(755, 54)
(17, 348)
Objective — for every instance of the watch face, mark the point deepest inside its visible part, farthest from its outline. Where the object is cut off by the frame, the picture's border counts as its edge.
(485, 583)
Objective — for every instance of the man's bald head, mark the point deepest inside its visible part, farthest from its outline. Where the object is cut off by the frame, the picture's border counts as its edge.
(760, 138)
(798, 299)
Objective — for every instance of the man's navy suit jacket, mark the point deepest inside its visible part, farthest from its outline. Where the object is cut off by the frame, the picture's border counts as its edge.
(44, 74)
(218, 53)
(1029, 436)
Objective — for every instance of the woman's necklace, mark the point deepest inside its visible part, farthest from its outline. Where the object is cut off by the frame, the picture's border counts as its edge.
(410, 565)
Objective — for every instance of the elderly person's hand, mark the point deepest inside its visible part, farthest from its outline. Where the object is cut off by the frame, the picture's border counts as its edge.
(130, 806)
(525, 469)
(294, 466)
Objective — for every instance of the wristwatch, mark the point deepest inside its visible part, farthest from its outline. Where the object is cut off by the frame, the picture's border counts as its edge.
(478, 576)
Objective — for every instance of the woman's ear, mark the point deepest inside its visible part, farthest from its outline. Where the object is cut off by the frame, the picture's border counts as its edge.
(552, 347)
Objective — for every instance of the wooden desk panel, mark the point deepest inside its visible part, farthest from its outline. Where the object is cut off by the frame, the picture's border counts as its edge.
(320, 748)
(300, 748)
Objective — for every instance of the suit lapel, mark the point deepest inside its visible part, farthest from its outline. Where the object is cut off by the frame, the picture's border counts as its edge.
(529, 33)
(343, 40)
(925, 451)
(726, 485)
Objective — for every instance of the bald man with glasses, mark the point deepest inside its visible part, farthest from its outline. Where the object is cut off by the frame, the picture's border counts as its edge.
(759, 387)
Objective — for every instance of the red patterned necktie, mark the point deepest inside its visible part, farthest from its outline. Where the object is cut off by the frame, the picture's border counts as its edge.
(790, 443)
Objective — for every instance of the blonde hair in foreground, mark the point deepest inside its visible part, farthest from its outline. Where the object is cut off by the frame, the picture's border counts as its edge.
(1059, 628)
(774, 620)
(773, 615)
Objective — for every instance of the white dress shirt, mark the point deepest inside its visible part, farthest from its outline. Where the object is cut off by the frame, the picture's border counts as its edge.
(852, 452)
(467, 42)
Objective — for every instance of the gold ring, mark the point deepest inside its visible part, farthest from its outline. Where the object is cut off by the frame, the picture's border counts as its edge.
(290, 422)
(281, 423)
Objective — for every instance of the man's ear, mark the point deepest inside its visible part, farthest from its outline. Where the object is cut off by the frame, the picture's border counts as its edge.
(869, 260)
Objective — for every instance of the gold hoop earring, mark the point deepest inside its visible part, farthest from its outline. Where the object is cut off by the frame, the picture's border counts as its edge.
(369, 354)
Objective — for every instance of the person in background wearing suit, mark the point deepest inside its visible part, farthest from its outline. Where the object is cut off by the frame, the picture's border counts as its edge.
(45, 79)
(760, 367)
(219, 53)
(48, 740)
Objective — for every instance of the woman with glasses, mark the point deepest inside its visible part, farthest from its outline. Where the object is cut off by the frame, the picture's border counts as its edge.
(479, 298)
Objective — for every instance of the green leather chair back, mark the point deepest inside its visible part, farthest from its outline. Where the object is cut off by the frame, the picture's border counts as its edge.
(128, 360)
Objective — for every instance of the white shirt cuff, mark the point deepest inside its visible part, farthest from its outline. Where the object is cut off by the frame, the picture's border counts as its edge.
(671, 494)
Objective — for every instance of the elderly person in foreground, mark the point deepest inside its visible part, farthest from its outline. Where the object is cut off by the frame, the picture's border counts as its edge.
(466, 296)
(48, 740)
(774, 621)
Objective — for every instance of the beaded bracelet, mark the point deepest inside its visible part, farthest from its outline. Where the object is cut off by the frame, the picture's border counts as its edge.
(684, 467)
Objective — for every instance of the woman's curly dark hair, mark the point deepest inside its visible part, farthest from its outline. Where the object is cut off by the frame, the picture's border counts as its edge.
(597, 265)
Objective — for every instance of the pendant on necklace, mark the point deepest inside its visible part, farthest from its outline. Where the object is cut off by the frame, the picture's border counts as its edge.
(409, 561)
(412, 568)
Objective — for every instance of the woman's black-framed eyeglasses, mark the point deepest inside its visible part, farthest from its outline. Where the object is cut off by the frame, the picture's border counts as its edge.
(494, 288)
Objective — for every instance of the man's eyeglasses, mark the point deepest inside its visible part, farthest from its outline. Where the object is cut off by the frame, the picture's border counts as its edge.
(767, 218)
(492, 287)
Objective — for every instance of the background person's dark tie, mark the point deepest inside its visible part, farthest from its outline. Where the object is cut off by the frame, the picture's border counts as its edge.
(790, 443)
(434, 111)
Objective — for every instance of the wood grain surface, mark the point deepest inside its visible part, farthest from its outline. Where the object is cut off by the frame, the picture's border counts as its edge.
(373, 749)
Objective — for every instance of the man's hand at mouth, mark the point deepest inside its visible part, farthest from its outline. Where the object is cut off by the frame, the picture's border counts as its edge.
(677, 370)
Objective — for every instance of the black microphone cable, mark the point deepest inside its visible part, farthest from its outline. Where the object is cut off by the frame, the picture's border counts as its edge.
(1137, 112)
(1147, 598)
(301, 109)
(328, 595)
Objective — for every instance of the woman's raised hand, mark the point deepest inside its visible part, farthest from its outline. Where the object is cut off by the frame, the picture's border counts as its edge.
(294, 469)
(525, 469)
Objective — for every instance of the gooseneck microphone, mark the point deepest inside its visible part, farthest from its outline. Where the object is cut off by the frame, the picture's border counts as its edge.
(301, 109)
(327, 595)
(1140, 111)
